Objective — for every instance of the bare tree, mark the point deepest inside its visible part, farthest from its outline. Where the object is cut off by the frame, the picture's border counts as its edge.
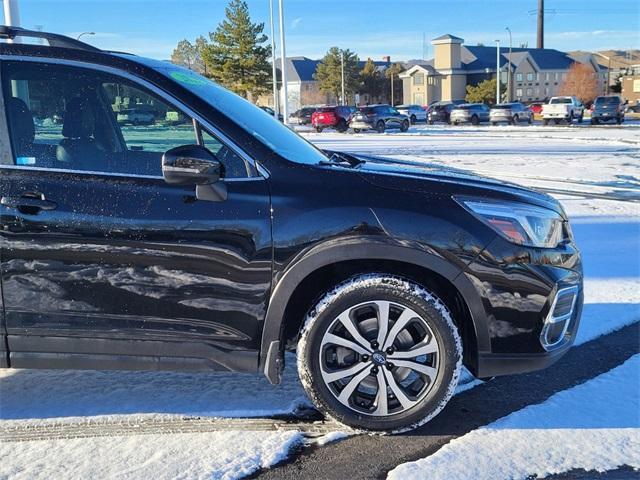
(580, 82)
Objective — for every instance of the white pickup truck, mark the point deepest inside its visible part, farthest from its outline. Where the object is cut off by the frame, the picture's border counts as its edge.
(562, 108)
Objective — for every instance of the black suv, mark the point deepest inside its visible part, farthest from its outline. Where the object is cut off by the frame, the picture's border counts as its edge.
(217, 238)
(609, 108)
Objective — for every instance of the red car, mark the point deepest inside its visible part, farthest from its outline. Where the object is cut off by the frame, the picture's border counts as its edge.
(332, 117)
(536, 108)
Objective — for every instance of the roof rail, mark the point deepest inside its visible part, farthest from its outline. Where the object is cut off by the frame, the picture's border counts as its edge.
(54, 39)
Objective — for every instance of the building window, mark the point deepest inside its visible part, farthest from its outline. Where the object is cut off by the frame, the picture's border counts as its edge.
(518, 92)
(546, 91)
(418, 79)
(557, 76)
(537, 90)
(529, 77)
(518, 77)
(547, 76)
(418, 98)
(529, 91)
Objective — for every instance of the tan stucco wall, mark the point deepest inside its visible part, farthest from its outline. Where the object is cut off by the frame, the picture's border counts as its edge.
(446, 56)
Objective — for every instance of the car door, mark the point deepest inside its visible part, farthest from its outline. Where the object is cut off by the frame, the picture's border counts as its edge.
(101, 258)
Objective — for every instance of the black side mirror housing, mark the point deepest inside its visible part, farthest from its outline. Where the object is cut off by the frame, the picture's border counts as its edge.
(190, 165)
(195, 165)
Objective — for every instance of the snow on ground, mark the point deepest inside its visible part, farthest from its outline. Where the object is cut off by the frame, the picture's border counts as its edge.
(593, 171)
(594, 426)
(217, 455)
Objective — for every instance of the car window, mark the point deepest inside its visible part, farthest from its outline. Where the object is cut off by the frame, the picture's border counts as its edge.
(80, 119)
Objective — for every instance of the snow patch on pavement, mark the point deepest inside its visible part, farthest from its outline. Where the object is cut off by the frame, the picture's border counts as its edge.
(594, 426)
(218, 455)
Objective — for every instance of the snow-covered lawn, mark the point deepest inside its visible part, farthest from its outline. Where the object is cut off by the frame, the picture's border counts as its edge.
(591, 170)
(594, 426)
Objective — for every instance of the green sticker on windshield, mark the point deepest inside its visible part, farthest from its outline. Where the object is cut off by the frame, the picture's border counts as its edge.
(188, 78)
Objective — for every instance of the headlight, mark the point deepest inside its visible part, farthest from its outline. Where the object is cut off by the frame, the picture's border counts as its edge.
(518, 222)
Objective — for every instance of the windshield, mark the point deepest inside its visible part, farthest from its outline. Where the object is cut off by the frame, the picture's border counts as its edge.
(555, 101)
(257, 122)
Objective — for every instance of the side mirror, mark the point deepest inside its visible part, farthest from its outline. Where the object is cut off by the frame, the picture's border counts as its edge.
(190, 165)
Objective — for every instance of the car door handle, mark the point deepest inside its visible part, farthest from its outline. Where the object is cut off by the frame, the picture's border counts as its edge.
(29, 203)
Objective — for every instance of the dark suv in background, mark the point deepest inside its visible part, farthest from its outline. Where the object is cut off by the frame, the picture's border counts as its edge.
(439, 112)
(608, 108)
(379, 118)
(337, 117)
(219, 239)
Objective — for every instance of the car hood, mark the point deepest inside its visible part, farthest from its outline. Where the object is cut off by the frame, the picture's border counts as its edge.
(429, 178)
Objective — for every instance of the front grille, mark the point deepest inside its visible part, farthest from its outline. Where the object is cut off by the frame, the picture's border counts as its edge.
(557, 322)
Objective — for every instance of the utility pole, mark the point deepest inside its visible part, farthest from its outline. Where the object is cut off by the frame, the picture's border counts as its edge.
(497, 71)
(11, 14)
(342, 74)
(274, 73)
(283, 63)
(509, 71)
(540, 42)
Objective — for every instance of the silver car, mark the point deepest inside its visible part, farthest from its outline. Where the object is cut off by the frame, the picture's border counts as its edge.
(416, 113)
(473, 113)
(511, 113)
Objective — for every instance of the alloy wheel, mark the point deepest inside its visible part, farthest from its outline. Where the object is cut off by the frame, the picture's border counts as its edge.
(379, 358)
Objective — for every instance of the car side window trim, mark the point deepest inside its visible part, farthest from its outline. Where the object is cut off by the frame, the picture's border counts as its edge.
(258, 172)
(6, 152)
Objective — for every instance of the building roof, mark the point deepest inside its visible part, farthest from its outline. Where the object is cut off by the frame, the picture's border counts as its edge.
(301, 69)
(481, 57)
(447, 37)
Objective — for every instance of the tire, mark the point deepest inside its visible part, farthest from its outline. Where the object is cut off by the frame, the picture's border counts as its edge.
(494, 123)
(556, 121)
(545, 122)
(356, 130)
(413, 119)
(516, 119)
(475, 120)
(342, 126)
(619, 121)
(320, 359)
(430, 122)
(580, 118)
(380, 127)
(404, 126)
(595, 121)
(319, 129)
(530, 121)
(570, 119)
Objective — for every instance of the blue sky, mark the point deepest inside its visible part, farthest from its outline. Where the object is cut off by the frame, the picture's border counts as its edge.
(373, 28)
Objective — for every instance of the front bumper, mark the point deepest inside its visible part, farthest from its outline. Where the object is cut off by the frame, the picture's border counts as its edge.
(360, 125)
(460, 119)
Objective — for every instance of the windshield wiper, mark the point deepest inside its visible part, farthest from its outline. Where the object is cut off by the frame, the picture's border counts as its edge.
(341, 158)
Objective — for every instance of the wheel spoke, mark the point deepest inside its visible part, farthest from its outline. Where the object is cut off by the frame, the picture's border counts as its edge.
(348, 389)
(383, 321)
(382, 407)
(343, 342)
(397, 390)
(424, 349)
(400, 324)
(418, 367)
(345, 319)
(345, 372)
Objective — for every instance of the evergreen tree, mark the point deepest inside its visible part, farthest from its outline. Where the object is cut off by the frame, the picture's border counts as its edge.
(329, 72)
(184, 54)
(483, 92)
(237, 57)
(371, 79)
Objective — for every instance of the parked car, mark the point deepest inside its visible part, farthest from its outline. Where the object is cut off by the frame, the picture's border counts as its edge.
(608, 108)
(562, 109)
(135, 116)
(440, 112)
(272, 112)
(337, 117)
(536, 108)
(379, 118)
(473, 113)
(223, 246)
(302, 116)
(416, 113)
(511, 113)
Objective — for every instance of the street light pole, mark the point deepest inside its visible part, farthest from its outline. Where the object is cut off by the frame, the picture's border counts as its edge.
(274, 73)
(283, 63)
(509, 71)
(497, 71)
(11, 13)
(342, 74)
(85, 33)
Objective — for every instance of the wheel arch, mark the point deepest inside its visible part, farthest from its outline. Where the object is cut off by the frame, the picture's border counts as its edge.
(326, 265)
